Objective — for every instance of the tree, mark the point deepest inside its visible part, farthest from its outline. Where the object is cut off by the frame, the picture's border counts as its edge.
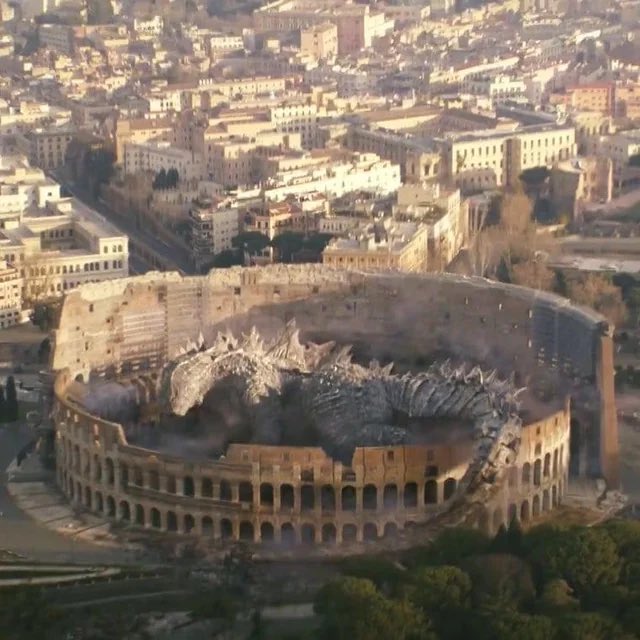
(507, 624)
(287, 244)
(587, 626)
(353, 609)
(11, 400)
(99, 168)
(439, 591)
(25, 614)
(317, 242)
(533, 274)
(584, 557)
(449, 548)
(172, 179)
(599, 293)
(253, 242)
(557, 596)
(160, 180)
(45, 316)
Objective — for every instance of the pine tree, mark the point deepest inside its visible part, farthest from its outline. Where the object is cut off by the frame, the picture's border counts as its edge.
(11, 401)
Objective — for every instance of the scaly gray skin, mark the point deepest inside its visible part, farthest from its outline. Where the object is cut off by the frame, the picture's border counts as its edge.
(350, 405)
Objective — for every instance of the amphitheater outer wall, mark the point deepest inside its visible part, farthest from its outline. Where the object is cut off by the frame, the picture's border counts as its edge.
(131, 327)
(295, 494)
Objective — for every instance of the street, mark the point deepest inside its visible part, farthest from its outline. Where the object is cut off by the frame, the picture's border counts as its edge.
(20, 534)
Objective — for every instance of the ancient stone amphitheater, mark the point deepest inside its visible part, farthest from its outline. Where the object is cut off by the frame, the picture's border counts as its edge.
(304, 405)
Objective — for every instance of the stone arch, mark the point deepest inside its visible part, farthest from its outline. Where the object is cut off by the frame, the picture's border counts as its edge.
(226, 529)
(189, 523)
(76, 458)
(410, 495)
(513, 476)
(172, 521)
(535, 510)
(328, 498)
(139, 515)
(225, 491)
(87, 497)
(554, 496)
(245, 492)
(125, 511)
(207, 526)
(349, 533)
(78, 492)
(431, 492)
(188, 486)
(138, 478)
(110, 472)
(154, 480)
(370, 532)
(266, 495)
(498, 519)
(287, 497)
(450, 485)
(546, 501)
(555, 463)
(546, 469)
(97, 468)
(390, 530)
(206, 488)
(307, 497)
(171, 484)
(537, 472)
(99, 502)
(390, 496)
(307, 533)
(513, 513)
(524, 511)
(288, 534)
(124, 475)
(348, 496)
(526, 473)
(577, 445)
(329, 533)
(154, 517)
(111, 507)
(370, 497)
(246, 531)
(266, 531)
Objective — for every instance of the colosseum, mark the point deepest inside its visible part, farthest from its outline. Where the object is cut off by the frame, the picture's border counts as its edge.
(306, 405)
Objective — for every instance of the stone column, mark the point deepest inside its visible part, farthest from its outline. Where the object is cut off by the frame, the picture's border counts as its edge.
(179, 485)
(276, 499)
(235, 492)
(215, 491)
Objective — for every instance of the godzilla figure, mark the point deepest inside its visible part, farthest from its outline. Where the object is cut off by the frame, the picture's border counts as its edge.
(286, 386)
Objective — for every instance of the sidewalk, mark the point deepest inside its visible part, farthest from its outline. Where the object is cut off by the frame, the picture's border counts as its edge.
(33, 490)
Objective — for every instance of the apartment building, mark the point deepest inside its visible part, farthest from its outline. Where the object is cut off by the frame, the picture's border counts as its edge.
(151, 28)
(63, 246)
(23, 188)
(588, 97)
(619, 147)
(273, 218)
(212, 226)
(10, 295)
(443, 212)
(386, 245)
(155, 156)
(334, 173)
(47, 147)
(140, 130)
(499, 87)
(486, 160)
(320, 41)
(297, 117)
(58, 37)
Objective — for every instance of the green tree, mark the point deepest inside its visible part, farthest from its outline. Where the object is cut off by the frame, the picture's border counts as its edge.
(173, 177)
(556, 597)
(587, 626)
(253, 242)
(99, 168)
(26, 615)
(287, 244)
(44, 316)
(507, 624)
(382, 572)
(317, 242)
(353, 609)
(440, 590)
(160, 180)
(450, 547)
(584, 557)
(11, 400)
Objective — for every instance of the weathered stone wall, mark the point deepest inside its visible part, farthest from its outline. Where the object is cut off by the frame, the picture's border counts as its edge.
(133, 326)
(295, 494)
